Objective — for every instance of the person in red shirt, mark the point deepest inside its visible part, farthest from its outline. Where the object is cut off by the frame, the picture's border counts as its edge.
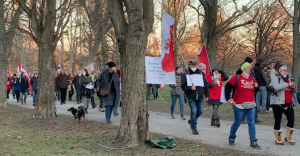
(243, 86)
(282, 102)
(215, 85)
(8, 86)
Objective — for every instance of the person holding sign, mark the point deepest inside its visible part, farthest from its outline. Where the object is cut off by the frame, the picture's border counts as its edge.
(215, 85)
(243, 102)
(195, 86)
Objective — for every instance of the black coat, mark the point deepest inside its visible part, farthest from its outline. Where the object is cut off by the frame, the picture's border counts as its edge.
(202, 91)
(34, 83)
(24, 85)
(260, 76)
(76, 82)
(62, 81)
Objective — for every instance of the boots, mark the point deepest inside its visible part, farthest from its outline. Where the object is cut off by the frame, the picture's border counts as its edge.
(278, 140)
(231, 141)
(213, 122)
(254, 144)
(288, 138)
(217, 121)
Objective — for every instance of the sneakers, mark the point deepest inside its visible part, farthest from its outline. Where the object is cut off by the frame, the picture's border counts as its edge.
(257, 121)
(33, 104)
(231, 141)
(116, 114)
(195, 132)
(254, 144)
(182, 117)
(94, 106)
(172, 116)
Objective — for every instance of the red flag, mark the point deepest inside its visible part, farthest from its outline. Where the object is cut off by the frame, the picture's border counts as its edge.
(27, 76)
(167, 54)
(204, 61)
(19, 67)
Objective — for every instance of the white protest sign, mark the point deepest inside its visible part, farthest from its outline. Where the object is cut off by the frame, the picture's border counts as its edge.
(155, 73)
(223, 99)
(195, 79)
(90, 68)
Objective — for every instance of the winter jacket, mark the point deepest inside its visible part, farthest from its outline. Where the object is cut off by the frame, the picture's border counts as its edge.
(268, 73)
(260, 76)
(176, 90)
(8, 84)
(202, 91)
(34, 83)
(83, 81)
(24, 85)
(76, 81)
(16, 82)
(62, 81)
(103, 80)
(279, 85)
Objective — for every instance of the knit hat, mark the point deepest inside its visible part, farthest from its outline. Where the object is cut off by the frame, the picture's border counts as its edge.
(245, 65)
(111, 64)
(193, 62)
(257, 64)
(178, 67)
(248, 59)
(283, 67)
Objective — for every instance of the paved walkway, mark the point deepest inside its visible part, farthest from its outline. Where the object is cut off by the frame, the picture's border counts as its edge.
(162, 123)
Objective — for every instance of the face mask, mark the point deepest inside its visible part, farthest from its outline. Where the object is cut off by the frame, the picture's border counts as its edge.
(35, 75)
(18, 76)
(193, 69)
(79, 74)
(84, 74)
(246, 74)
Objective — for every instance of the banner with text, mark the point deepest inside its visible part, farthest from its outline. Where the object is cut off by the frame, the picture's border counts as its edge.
(90, 68)
(155, 74)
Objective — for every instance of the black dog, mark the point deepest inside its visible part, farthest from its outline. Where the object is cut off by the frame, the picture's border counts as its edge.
(78, 114)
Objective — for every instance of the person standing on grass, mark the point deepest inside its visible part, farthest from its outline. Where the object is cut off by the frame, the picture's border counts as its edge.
(195, 94)
(8, 86)
(34, 83)
(110, 77)
(215, 84)
(24, 86)
(282, 102)
(62, 84)
(86, 82)
(261, 95)
(243, 86)
(177, 92)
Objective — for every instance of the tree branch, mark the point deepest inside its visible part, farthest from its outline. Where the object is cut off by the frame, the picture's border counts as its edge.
(285, 9)
(222, 32)
(148, 14)
(116, 13)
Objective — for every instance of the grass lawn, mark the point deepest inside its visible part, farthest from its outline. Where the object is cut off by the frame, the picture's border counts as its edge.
(62, 137)
(225, 111)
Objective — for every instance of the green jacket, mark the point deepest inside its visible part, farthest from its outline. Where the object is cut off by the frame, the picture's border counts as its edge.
(83, 81)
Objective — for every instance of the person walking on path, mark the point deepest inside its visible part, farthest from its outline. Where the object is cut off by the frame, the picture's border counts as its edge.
(110, 79)
(13, 86)
(195, 94)
(261, 95)
(77, 87)
(215, 84)
(177, 92)
(70, 86)
(92, 89)
(24, 86)
(16, 82)
(282, 102)
(62, 84)
(101, 105)
(86, 82)
(8, 86)
(34, 83)
(243, 101)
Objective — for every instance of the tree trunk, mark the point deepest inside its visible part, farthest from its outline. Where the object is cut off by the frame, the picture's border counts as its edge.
(62, 51)
(20, 47)
(45, 107)
(3, 77)
(296, 58)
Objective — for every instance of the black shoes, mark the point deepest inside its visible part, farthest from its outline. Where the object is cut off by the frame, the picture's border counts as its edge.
(231, 141)
(195, 132)
(254, 144)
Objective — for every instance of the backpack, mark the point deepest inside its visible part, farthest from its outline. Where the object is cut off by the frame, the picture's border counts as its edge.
(164, 143)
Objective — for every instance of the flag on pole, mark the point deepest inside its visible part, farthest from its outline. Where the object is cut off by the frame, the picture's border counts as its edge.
(167, 53)
(27, 76)
(59, 65)
(19, 67)
(203, 60)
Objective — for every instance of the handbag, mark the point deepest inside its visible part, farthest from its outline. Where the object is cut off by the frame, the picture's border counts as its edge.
(104, 91)
(249, 105)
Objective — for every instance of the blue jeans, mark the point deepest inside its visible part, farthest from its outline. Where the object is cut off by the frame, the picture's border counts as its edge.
(196, 107)
(174, 100)
(78, 95)
(109, 108)
(13, 92)
(261, 95)
(239, 116)
(58, 95)
(34, 95)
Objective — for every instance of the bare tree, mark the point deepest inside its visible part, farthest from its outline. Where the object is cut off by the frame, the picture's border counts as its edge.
(8, 22)
(212, 29)
(132, 35)
(46, 29)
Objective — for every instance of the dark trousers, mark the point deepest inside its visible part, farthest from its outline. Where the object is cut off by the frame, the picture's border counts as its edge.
(289, 113)
(63, 93)
(101, 100)
(17, 95)
(8, 94)
(71, 92)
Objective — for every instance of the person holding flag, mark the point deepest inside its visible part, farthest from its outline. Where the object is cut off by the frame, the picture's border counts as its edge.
(195, 94)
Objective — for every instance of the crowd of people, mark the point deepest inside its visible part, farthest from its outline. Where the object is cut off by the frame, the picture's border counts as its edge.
(252, 90)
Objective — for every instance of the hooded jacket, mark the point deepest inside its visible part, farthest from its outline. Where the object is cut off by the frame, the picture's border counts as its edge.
(201, 91)
(34, 83)
(260, 76)
(62, 81)
(279, 85)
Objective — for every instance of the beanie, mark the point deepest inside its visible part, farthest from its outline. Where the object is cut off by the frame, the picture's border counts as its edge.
(248, 59)
(111, 64)
(257, 64)
(245, 65)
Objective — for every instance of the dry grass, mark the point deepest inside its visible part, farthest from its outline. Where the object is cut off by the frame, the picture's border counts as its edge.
(62, 137)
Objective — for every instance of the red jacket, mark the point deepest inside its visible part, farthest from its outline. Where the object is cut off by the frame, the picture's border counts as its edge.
(8, 86)
(215, 91)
